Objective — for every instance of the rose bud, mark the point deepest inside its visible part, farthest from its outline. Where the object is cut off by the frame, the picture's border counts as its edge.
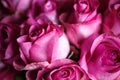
(64, 69)
(43, 43)
(82, 22)
(101, 58)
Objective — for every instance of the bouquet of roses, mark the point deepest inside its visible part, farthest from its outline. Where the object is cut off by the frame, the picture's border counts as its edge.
(59, 40)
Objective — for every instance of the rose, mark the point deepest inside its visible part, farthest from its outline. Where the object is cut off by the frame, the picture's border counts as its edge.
(64, 69)
(42, 43)
(45, 8)
(50, 8)
(8, 44)
(113, 12)
(101, 59)
(80, 24)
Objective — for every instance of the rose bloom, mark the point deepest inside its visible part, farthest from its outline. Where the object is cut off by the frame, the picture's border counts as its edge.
(82, 22)
(8, 44)
(101, 58)
(64, 69)
(45, 8)
(42, 44)
(113, 12)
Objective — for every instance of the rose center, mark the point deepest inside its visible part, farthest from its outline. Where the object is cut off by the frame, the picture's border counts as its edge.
(64, 73)
(35, 33)
(83, 7)
(110, 57)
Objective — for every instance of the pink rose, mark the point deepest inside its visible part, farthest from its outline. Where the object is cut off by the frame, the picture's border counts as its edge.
(101, 58)
(113, 12)
(45, 8)
(8, 44)
(42, 43)
(64, 69)
(82, 22)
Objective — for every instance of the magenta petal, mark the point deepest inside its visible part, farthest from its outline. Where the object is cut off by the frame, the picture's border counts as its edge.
(34, 66)
(20, 65)
(61, 50)
(9, 52)
(42, 48)
(24, 48)
(23, 5)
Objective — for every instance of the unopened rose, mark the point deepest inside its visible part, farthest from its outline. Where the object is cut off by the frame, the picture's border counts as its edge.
(101, 59)
(42, 43)
(111, 18)
(82, 22)
(64, 69)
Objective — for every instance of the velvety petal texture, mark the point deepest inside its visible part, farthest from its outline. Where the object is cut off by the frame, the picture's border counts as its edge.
(113, 12)
(83, 21)
(43, 43)
(101, 60)
(64, 69)
(59, 39)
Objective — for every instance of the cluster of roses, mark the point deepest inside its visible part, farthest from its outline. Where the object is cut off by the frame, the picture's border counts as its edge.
(60, 39)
